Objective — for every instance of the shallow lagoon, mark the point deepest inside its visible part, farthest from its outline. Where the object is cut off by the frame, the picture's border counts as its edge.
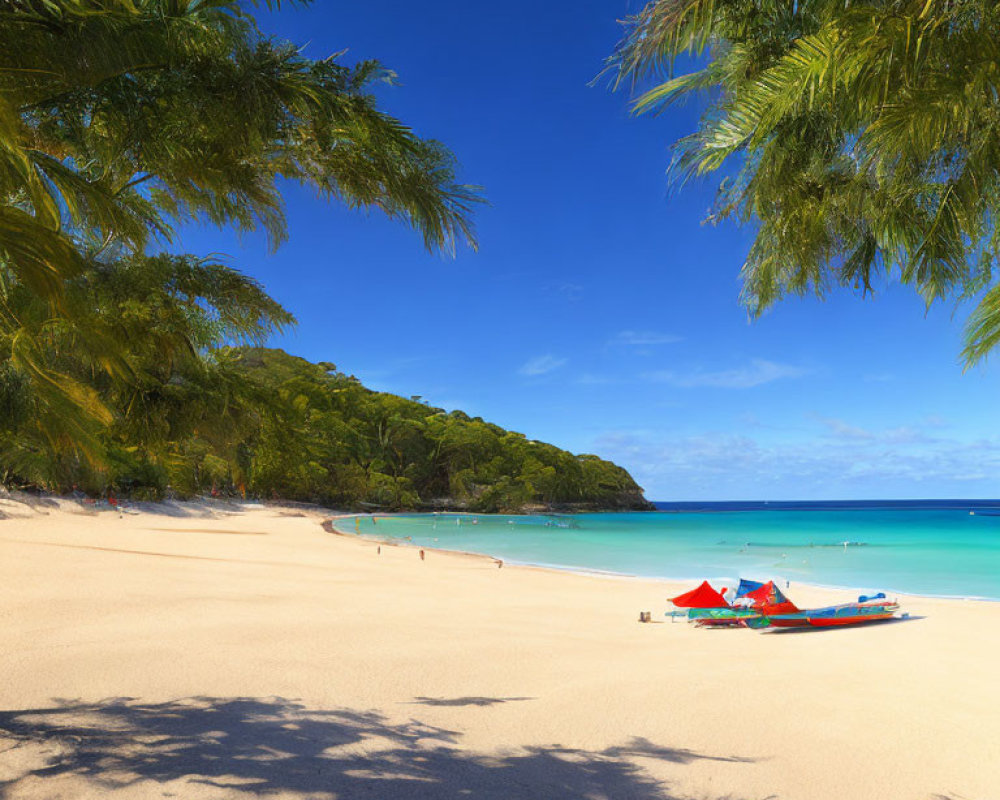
(931, 551)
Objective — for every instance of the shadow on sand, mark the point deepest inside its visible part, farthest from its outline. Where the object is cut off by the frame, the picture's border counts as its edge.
(465, 701)
(247, 748)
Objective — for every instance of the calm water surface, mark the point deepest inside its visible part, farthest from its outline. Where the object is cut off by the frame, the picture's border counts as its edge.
(937, 549)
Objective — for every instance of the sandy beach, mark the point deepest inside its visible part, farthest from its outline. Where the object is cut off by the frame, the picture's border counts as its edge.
(209, 651)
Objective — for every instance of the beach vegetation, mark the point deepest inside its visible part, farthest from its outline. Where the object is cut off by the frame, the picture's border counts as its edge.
(859, 140)
(252, 422)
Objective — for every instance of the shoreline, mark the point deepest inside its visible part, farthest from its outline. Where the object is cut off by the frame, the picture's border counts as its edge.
(217, 652)
(612, 574)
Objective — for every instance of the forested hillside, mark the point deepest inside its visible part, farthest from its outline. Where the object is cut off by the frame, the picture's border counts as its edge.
(257, 422)
(330, 438)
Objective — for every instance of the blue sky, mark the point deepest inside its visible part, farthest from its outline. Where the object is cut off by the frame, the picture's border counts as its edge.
(600, 313)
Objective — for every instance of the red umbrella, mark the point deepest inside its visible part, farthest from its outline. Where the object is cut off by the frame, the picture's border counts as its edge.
(702, 597)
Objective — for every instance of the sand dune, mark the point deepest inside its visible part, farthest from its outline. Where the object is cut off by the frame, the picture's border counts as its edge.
(144, 657)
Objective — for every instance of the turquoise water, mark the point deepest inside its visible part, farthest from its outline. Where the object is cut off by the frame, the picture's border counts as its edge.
(921, 551)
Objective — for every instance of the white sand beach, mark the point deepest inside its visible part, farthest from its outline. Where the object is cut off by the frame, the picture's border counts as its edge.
(205, 651)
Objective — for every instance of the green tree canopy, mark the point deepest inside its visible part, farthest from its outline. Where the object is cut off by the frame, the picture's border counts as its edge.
(865, 137)
(121, 120)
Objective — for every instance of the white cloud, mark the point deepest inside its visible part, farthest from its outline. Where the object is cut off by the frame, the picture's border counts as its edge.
(643, 338)
(885, 464)
(902, 434)
(541, 365)
(756, 373)
(845, 430)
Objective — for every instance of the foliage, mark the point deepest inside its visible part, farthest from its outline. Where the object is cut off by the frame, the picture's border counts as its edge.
(866, 134)
(119, 121)
(125, 368)
(257, 422)
(121, 118)
(331, 439)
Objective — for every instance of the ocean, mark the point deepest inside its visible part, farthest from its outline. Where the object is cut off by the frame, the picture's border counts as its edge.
(929, 547)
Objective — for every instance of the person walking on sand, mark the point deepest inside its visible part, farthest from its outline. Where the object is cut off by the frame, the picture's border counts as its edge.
(421, 555)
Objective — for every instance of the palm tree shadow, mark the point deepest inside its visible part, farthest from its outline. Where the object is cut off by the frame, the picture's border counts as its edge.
(253, 747)
(465, 701)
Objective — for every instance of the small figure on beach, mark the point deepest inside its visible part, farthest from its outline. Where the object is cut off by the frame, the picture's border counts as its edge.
(378, 550)
(499, 563)
(421, 555)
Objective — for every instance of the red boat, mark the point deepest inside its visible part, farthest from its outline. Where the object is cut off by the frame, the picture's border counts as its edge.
(836, 616)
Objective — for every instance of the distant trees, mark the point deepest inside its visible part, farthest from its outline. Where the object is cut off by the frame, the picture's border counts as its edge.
(865, 138)
(351, 445)
(258, 422)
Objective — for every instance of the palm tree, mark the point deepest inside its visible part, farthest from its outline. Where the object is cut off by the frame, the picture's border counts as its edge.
(137, 362)
(119, 120)
(866, 137)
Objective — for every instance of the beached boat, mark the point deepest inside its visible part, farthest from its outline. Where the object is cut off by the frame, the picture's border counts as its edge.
(763, 605)
(778, 611)
(751, 607)
(836, 616)
(708, 608)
